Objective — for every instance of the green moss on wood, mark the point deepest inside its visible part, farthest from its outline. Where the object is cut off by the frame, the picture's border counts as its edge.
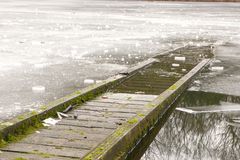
(132, 120)
(20, 158)
(140, 114)
(173, 87)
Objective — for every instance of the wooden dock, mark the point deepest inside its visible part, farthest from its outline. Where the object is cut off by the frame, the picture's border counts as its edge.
(112, 124)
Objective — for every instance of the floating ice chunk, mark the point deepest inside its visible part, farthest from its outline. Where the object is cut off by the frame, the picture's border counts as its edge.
(194, 88)
(38, 89)
(179, 58)
(98, 81)
(175, 65)
(50, 121)
(61, 115)
(217, 61)
(139, 92)
(217, 68)
(197, 82)
(88, 81)
(104, 97)
(185, 110)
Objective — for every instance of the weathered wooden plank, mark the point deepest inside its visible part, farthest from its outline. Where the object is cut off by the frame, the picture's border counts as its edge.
(120, 101)
(88, 124)
(72, 140)
(45, 150)
(100, 119)
(69, 135)
(103, 131)
(147, 85)
(143, 91)
(160, 79)
(143, 88)
(111, 109)
(25, 156)
(125, 96)
(103, 104)
(103, 113)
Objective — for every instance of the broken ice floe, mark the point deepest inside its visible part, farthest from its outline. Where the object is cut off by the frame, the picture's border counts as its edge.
(175, 65)
(179, 58)
(88, 81)
(184, 70)
(38, 89)
(50, 122)
(61, 115)
(223, 107)
(217, 68)
(98, 81)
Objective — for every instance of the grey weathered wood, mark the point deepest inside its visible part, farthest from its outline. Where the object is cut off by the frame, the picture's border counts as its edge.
(88, 124)
(113, 105)
(120, 101)
(111, 109)
(130, 97)
(27, 156)
(103, 113)
(102, 131)
(100, 119)
(79, 141)
(68, 135)
(45, 150)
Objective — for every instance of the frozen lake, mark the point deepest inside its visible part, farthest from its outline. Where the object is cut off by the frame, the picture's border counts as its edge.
(49, 47)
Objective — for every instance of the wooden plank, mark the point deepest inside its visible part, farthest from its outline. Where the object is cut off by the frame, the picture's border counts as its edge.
(69, 135)
(160, 78)
(120, 101)
(125, 96)
(144, 87)
(88, 124)
(103, 131)
(143, 91)
(152, 84)
(100, 119)
(103, 113)
(111, 109)
(103, 104)
(63, 140)
(25, 156)
(45, 150)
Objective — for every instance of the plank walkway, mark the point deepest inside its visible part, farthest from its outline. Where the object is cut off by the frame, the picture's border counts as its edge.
(73, 138)
(91, 123)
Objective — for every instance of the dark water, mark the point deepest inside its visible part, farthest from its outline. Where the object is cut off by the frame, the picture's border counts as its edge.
(204, 126)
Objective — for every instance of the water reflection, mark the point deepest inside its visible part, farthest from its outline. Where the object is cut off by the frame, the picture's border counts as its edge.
(207, 136)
